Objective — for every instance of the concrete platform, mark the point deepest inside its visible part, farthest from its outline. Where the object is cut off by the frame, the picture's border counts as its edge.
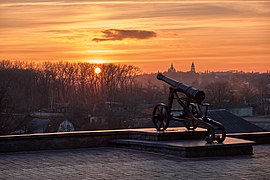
(181, 142)
(176, 141)
(174, 133)
(190, 148)
(258, 137)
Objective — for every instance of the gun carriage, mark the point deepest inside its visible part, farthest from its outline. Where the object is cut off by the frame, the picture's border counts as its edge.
(189, 113)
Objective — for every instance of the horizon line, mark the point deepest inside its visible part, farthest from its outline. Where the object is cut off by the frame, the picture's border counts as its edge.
(97, 62)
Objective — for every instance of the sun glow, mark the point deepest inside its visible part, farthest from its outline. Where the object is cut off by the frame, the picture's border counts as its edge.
(99, 51)
(97, 61)
(97, 70)
(219, 36)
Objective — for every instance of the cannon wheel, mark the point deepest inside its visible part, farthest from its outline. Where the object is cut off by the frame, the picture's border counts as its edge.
(161, 117)
(191, 125)
(211, 137)
(221, 138)
(216, 135)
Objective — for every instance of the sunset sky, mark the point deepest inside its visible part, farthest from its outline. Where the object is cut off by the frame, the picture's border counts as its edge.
(215, 35)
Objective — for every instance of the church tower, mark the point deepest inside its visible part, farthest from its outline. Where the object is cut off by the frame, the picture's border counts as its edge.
(171, 69)
(192, 69)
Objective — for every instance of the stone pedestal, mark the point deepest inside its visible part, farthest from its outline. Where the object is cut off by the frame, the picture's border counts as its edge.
(178, 141)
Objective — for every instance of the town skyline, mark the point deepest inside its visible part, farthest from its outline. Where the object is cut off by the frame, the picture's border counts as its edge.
(215, 35)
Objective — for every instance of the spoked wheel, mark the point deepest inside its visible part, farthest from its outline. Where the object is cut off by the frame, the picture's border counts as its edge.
(211, 136)
(161, 117)
(216, 135)
(220, 135)
(191, 125)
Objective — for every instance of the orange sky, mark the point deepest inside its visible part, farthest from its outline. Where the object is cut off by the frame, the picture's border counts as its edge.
(215, 35)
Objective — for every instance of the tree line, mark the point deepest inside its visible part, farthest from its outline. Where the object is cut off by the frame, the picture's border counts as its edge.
(28, 87)
(224, 90)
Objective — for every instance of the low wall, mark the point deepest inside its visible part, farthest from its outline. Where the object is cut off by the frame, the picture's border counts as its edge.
(65, 140)
(86, 139)
(258, 137)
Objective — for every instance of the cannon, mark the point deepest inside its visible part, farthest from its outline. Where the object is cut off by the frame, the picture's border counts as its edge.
(188, 110)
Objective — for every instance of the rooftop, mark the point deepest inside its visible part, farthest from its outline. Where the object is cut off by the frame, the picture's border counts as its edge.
(233, 123)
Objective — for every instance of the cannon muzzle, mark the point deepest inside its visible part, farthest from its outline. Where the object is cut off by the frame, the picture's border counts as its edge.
(195, 94)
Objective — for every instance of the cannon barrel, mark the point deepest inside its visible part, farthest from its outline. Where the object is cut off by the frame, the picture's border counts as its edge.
(189, 91)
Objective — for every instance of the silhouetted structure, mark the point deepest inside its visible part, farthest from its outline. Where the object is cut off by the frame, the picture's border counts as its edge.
(171, 69)
(190, 101)
(192, 69)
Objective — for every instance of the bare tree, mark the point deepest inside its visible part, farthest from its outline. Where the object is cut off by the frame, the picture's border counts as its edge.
(219, 94)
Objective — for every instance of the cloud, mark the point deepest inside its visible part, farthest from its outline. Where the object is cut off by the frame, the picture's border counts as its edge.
(118, 34)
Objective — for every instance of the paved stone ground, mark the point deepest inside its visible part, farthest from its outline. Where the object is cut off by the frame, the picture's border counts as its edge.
(117, 163)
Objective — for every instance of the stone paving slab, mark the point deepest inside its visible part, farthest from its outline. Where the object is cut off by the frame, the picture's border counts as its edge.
(119, 163)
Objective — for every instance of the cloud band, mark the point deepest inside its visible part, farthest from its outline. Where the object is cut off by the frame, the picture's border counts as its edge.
(118, 34)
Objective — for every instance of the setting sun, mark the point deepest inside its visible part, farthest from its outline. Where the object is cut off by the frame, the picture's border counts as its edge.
(97, 70)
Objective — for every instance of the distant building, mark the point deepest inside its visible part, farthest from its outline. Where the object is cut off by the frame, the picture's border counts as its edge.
(66, 126)
(171, 69)
(192, 69)
(38, 122)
